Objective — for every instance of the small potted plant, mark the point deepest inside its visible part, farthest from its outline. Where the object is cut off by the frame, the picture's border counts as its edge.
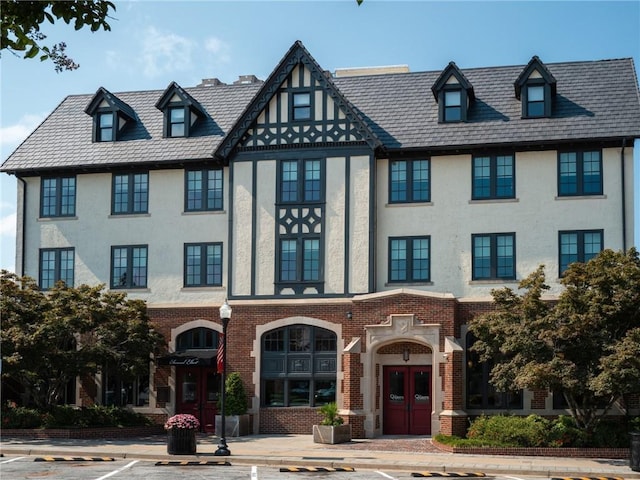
(181, 434)
(332, 428)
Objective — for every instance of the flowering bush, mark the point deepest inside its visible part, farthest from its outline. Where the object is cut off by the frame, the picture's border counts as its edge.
(182, 420)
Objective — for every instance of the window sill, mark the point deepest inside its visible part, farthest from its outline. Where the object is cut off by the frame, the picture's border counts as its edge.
(206, 288)
(493, 200)
(204, 212)
(129, 215)
(408, 204)
(56, 219)
(408, 284)
(131, 290)
(581, 197)
(494, 281)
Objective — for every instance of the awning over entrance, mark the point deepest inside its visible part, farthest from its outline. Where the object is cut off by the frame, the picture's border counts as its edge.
(190, 358)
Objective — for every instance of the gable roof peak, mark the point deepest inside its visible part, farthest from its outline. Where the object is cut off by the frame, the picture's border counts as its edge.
(443, 78)
(535, 64)
(102, 94)
(175, 89)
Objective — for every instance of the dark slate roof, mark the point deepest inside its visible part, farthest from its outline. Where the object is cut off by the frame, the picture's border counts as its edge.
(595, 101)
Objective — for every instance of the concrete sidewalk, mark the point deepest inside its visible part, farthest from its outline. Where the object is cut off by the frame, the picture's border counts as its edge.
(411, 454)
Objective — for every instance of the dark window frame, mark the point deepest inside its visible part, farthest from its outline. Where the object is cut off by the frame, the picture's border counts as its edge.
(527, 104)
(409, 182)
(493, 177)
(485, 391)
(57, 267)
(100, 130)
(409, 259)
(493, 256)
(128, 274)
(301, 261)
(302, 193)
(452, 112)
(580, 174)
(580, 244)
(203, 274)
(131, 194)
(299, 360)
(199, 338)
(207, 203)
(298, 110)
(59, 205)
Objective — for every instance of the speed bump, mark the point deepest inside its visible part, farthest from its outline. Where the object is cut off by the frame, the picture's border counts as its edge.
(317, 469)
(191, 463)
(587, 478)
(448, 474)
(74, 459)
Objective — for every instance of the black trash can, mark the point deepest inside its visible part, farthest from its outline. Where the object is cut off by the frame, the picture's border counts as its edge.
(634, 451)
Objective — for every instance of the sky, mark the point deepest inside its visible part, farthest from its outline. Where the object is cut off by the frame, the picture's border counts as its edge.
(152, 43)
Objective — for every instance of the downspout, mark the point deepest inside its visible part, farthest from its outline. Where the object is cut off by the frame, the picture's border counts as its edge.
(624, 198)
(24, 224)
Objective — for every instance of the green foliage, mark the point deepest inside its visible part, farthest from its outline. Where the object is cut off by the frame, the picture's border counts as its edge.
(586, 345)
(21, 22)
(49, 339)
(530, 431)
(235, 395)
(71, 417)
(535, 431)
(329, 412)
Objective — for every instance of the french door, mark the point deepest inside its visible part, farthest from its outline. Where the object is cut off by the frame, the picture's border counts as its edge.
(407, 400)
(197, 393)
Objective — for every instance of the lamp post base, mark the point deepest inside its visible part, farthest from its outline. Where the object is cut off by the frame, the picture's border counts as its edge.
(223, 449)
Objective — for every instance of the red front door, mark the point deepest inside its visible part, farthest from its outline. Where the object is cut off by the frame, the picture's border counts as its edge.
(197, 393)
(407, 400)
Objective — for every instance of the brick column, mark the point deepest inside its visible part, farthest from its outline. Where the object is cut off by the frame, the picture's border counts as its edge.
(453, 419)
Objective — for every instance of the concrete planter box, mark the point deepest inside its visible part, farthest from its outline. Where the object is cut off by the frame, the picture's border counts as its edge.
(234, 425)
(329, 434)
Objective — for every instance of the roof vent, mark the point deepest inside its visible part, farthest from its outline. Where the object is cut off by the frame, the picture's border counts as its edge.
(384, 70)
(210, 82)
(247, 79)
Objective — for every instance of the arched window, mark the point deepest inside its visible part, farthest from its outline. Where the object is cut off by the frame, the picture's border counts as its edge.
(481, 394)
(299, 364)
(197, 339)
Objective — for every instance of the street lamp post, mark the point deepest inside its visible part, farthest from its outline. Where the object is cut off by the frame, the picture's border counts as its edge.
(225, 316)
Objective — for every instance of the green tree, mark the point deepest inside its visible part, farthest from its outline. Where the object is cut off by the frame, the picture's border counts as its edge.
(21, 21)
(585, 344)
(50, 338)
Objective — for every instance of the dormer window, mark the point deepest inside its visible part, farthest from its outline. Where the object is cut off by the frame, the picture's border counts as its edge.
(301, 106)
(536, 87)
(454, 95)
(176, 122)
(110, 116)
(105, 127)
(181, 112)
(452, 106)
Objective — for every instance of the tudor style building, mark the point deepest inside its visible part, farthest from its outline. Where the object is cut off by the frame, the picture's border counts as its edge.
(355, 222)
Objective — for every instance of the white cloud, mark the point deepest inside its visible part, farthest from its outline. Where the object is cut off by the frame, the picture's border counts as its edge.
(219, 48)
(8, 225)
(165, 52)
(12, 135)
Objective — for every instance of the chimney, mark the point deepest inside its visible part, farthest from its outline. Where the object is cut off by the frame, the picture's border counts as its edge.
(247, 79)
(210, 82)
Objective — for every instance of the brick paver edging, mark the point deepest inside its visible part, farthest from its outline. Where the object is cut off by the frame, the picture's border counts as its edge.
(612, 453)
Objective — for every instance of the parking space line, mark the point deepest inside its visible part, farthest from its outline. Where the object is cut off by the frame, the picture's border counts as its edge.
(11, 460)
(121, 469)
(254, 472)
(386, 476)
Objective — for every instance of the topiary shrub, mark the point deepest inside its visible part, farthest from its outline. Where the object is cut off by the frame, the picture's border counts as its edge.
(235, 395)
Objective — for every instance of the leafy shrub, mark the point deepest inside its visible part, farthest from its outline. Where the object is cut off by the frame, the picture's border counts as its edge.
(235, 395)
(565, 433)
(22, 417)
(610, 433)
(510, 431)
(72, 417)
